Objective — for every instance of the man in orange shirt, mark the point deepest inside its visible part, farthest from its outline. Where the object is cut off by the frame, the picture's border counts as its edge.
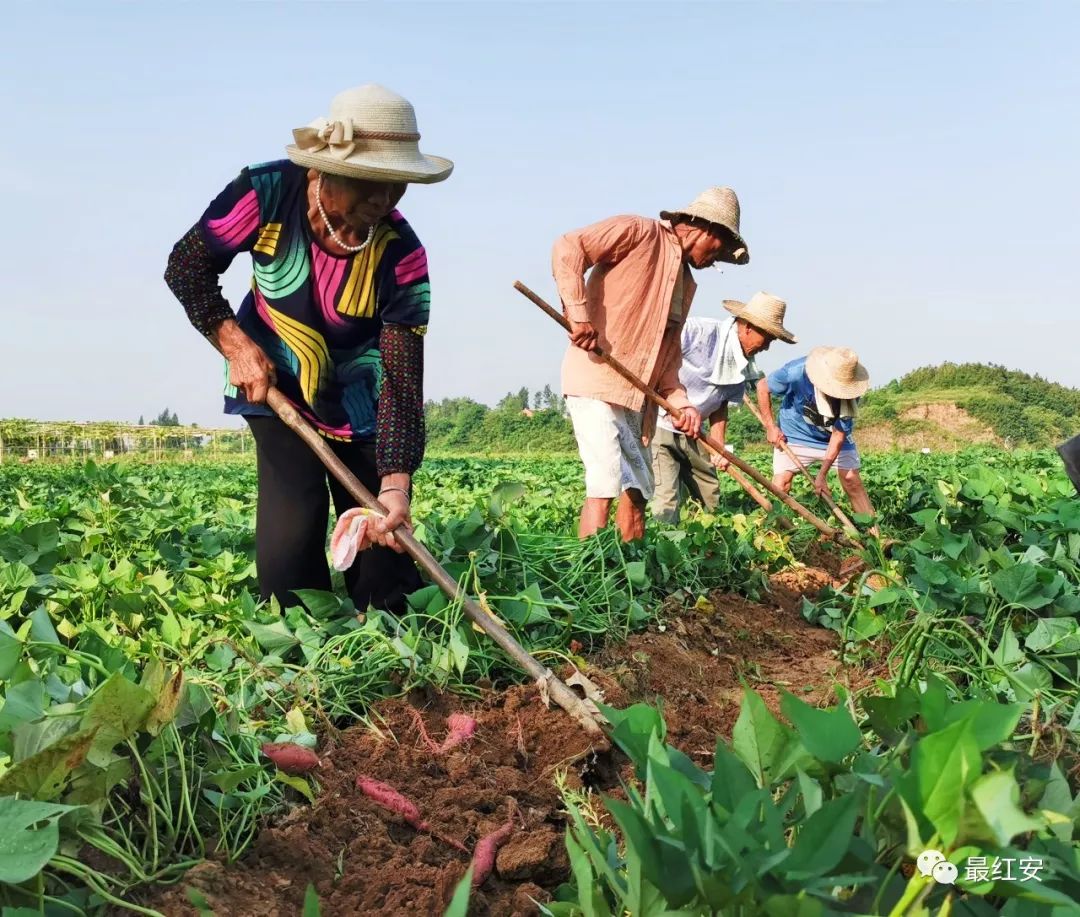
(633, 306)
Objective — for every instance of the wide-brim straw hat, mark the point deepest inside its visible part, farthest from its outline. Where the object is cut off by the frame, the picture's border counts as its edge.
(837, 372)
(716, 207)
(765, 312)
(371, 134)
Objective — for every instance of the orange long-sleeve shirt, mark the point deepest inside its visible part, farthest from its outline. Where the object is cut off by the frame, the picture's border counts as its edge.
(636, 263)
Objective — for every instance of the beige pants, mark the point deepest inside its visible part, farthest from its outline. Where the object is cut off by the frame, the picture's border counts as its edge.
(678, 461)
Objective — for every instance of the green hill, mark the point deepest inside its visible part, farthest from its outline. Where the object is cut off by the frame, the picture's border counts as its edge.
(960, 404)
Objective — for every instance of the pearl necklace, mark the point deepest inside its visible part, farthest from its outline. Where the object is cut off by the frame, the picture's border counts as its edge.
(330, 229)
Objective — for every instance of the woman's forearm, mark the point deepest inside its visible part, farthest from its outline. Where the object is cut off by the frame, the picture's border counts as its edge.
(193, 279)
(399, 434)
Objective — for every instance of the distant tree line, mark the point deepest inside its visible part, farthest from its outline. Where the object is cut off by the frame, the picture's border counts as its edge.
(525, 421)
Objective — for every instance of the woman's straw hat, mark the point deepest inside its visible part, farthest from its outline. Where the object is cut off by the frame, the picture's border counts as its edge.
(837, 372)
(765, 312)
(371, 134)
(717, 207)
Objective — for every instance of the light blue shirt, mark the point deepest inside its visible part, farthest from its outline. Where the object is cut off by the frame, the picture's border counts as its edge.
(714, 369)
(800, 420)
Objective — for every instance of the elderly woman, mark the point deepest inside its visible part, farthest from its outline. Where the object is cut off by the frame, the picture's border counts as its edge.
(335, 319)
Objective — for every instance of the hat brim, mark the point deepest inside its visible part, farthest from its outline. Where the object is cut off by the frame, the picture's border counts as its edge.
(421, 169)
(821, 377)
(779, 332)
(716, 229)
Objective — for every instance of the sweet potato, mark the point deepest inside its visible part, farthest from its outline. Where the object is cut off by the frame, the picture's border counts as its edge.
(483, 859)
(384, 795)
(461, 725)
(291, 758)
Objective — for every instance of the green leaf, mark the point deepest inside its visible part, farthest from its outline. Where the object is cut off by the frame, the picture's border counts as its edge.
(829, 735)
(41, 627)
(758, 739)
(44, 775)
(1020, 585)
(1033, 680)
(590, 896)
(991, 723)
(1062, 635)
(29, 837)
(885, 596)
(1058, 798)
(459, 904)
(118, 709)
(30, 738)
(794, 906)
(274, 638)
(731, 781)
(636, 575)
(632, 730)
(944, 763)
(10, 651)
(890, 716)
(811, 792)
(198, 901)
(311, 903)
(824, 838)
(321, 605)
(23, 703)
(297, 783)
(997, 797)
(1008, 650)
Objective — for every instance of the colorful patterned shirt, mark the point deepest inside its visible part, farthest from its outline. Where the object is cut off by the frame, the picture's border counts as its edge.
(317, 315)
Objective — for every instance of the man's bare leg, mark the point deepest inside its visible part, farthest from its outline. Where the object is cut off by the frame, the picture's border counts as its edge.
(594, 516)
(856, 491)
(783, 480)
(630, 515)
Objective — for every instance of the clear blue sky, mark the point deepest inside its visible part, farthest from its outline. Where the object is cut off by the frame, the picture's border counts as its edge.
(908, 172)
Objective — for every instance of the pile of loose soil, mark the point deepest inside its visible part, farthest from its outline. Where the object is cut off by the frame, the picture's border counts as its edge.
(363, 860)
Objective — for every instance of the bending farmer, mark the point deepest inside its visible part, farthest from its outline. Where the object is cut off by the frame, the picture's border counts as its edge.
(819, 396)
(718, 362)
(335, 318)
(634, 304)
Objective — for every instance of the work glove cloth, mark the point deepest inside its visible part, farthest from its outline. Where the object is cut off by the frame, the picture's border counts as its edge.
(351, 536)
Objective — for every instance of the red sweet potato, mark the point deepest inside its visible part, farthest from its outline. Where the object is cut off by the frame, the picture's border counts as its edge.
(291, 758)
(462, 727)
(384, 795)
(483, 860)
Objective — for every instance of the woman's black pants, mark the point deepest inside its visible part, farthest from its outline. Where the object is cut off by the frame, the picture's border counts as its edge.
(291, 522)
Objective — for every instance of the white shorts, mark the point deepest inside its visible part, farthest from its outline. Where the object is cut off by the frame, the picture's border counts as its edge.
(609, 441)
(847, 460)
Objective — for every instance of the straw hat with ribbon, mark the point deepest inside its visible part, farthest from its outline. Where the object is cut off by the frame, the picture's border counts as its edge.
(765, 312)
(716, 207)
(837, 372)
(370, 134)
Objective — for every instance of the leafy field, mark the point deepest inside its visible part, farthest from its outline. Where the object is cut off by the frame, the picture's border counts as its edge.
(141, 677)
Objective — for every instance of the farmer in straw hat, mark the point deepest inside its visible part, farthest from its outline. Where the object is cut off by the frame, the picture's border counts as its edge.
(717, 363)
(633, 306)
(819, 395)
(335, 318)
